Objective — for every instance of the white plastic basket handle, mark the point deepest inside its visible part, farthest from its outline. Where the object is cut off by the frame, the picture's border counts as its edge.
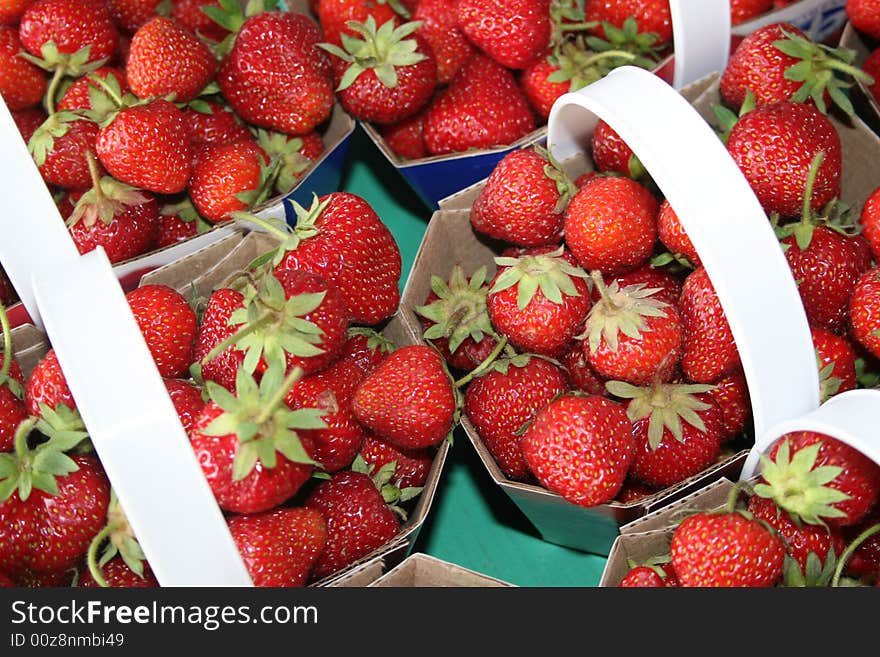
(701, 32)
(118, 390)
(725, 222)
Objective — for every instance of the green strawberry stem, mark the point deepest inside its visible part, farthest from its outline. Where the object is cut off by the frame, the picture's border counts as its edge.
(247, 329)
(7, 343)
(52, 90)
(278, 396)
(111, 92)
(733, 497)
(95, 175)
(806, 212)
(850, 549)
(608, 54)
(262, 223)
(482, 367)
(92, 555)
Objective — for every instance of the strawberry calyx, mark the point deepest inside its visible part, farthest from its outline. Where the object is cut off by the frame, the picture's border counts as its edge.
(262, 422)
(375, 340)
(107, 100)
(460, 311)
(726, 118)
(61, 65)
(676, 262)
(548, 272)
(579, 66)
(231, 16)
(383, 49)
(106, 199)
(5, 380)
(818, 71)
(797, 486)
(814, 574)
(393, 495)
(828, 385)
(120, 539)
(185, 210)
(568, 16)
(666, 404)
(293, 164)
(565, 186)
(620, 310)
(43, 140)
(627, 38)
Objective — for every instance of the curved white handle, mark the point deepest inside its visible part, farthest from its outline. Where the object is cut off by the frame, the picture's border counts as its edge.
(724, 220)
(701, 32)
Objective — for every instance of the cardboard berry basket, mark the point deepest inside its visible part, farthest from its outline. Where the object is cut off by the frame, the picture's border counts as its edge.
(821, 20)
(864, 102)
(701, 37)
(418, 570)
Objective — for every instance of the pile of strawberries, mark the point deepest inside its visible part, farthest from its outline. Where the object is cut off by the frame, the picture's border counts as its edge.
(312, 429)
(152, 121)
(438, 77)
(601, 365)
(864, 16)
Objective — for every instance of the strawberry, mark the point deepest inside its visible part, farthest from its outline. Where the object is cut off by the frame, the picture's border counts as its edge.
(580, 447)
(60, 148)
(871, 67)
(651, 16)
(864, 311)
(577, 368)
(631, 335)
(406, 138)
(12, 407)
(130, 15)
(335, 15)
(652, 576)
(668, 286)
(668, 451)
(864, 16)
(523, 199)
(383, 74)
(11, 11)
(869, 220)
(745, 10)
(439, 26)
(865, 559)
(5, 582)
(166, 58)
(512, 33)
(836, 360)
(503, 400)
(276, 77)
(540, 85)
(225, 174)
(280, 547)
(633, 492)
(731, 393)
(190, 14)
(709, 349)
(482, 107)
(80, 94)
(612, 154)
(726, 550)
(148, 146)
(673, 236)
(47, 386)
(178, 222)
(215, 329)
(611, 224)
(539, 300)
(365, 350)
(819, 479)
(187, 400)
(409, 399)
(295, 155)
(211, 122)
(250, 448)
(28, 120)
(168, 325)
(22, 84)
(411, 466)
(117, 574)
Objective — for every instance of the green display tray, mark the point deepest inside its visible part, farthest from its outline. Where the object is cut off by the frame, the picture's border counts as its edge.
(472, 521)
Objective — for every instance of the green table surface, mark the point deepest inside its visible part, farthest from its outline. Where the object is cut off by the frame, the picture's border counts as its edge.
(472, 522)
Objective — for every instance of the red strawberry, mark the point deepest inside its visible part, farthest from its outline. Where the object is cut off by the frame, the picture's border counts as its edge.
(660, 575)
(523, 200)
(406, 138)
(409, 399)
(363, 352)
(611, 224)
(871, 66)
(187, 400)
(383, 74)
(633, 492)
(411, 466)
(482, 107)
(652, 16)
(864, 16)
(513, 33)
(211, 122)
(293, 156)
(358, 520)
(672, 234)
(11, 11)
(667, 285)
(191, 15)
(580, 448)
(744, 10)
(865, 560)
(117, 574)
(731, 393)
(342, 238)
(580, 375)
(726, 550)
(275, 76)
(540, 84)
(502, 401)
(611, 153)
(12, 407)
(869, 220)
(334, 16)
(28, 120)
(280, 547)
(539, 300)
(22, 83)
(214, 329)
(166, 58)
(709, 349)
(440, 29)
(223, 174)
(47, 385)
(79, 95)
(864, 311)
(837, 362)
(178, 222)
(71, 25)
(129, 15)
(5, 582)
(60, 147)
(819, 479)
(148, 146)
(168, 325)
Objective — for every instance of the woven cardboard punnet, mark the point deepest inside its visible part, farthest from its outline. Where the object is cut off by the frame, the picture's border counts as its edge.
(822, 20)
(865, 103)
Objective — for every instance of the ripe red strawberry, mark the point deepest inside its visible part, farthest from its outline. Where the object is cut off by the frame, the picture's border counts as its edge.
(28, 120)
(731, 393)
(633, 492)
(871, 66)
(864, 16)
(342, 238)
(611, 224)
(482, 107)
(30, 579)
(383, 74)
(60, 148)
(22, 83)
(223, 174)
(72, 25)
(726, 550)
(168, 325)
(190, 14)
(187, 400)
(177, 222)
(334, 16)
(293, 156)
(440, 29)
(79, 94)
(651, 16)
(836, 360)
(709, 349)
(275, 76)
(358, 520)
(580, 448)
(540, 85)
(129, 15)
(864, 311)
(148, 146)
(5, 582)
(667, 285)
(580, 375)
(47, 385)
(539, 300)
(118, 575)
(869, 220)
(409, 399)
(406, 138)
(653, 576)
(631, 335)
(512, 33)
(523, 200)
(744, 10)
(11, 11)
(280, 547)
(672, 234)
(611, 153)
(865, 560)
(214, 329)
(819, 479)
(500, 402)
(166, 58)
(12, 407)
(411, 466)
